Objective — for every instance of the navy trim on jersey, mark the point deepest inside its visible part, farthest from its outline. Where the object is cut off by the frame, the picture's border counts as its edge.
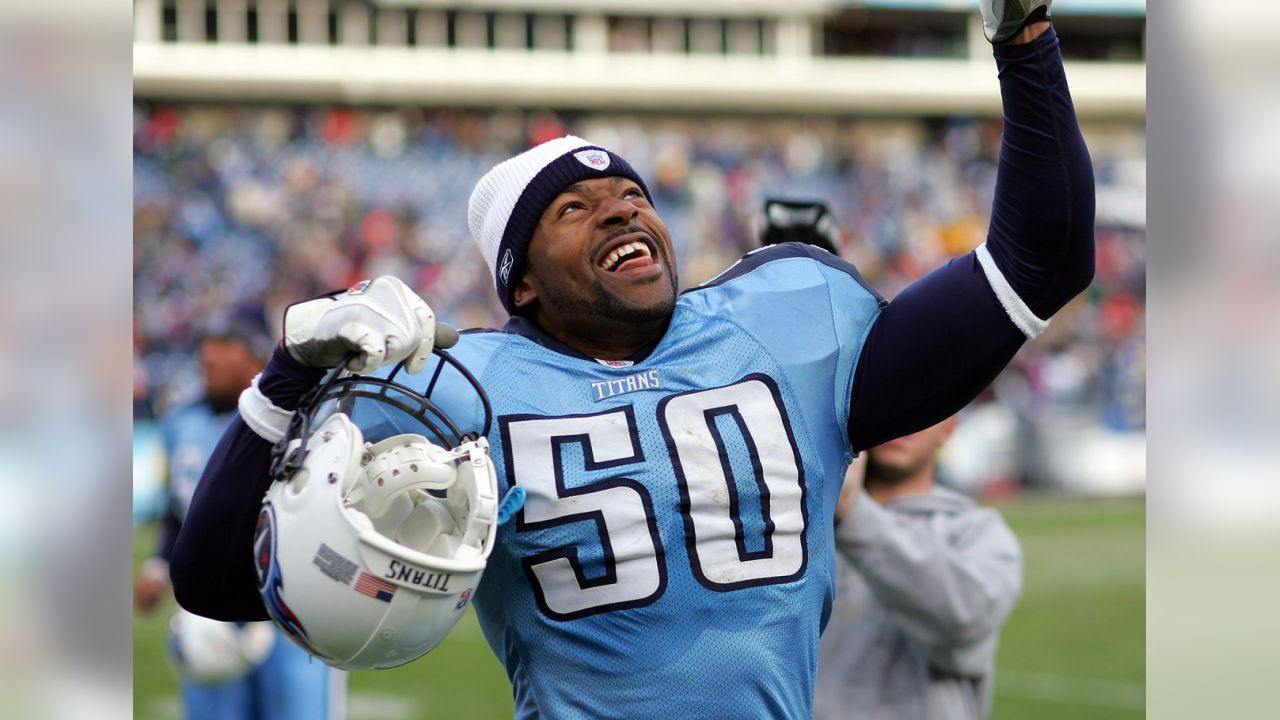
(528, 329)
(783, 251)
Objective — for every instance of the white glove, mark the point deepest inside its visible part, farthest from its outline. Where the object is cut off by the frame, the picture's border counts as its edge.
(1002, 19)
(377, 322)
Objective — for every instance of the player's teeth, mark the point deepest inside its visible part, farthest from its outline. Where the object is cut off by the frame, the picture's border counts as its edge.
(619, 253)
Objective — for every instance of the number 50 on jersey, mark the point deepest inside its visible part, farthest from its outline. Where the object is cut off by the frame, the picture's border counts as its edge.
(737, 468)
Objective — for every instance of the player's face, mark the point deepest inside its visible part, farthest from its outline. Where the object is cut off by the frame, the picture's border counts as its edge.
(600, 254)
(228, 367)
(904, 457)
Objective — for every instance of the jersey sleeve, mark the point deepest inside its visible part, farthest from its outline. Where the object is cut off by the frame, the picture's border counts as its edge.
(212, 568)
(946, 336)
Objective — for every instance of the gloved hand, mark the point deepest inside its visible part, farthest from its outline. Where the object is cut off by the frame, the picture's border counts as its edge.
(1002, 19)
(378, 322)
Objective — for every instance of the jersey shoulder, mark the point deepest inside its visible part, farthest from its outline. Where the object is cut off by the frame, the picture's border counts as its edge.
(477, 345)
(801, 305)
(790, 283)
(791, 265)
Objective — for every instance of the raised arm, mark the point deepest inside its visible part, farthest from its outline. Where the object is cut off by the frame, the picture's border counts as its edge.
(945, 337)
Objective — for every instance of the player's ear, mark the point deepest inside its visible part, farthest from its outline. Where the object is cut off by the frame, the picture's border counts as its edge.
(524, 292)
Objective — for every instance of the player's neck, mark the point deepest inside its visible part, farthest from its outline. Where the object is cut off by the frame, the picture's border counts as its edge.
(919, 483)
(619, 341)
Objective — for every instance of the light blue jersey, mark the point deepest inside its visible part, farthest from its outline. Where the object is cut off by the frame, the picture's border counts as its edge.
(288, 684)
(190, 434)
(674, 557)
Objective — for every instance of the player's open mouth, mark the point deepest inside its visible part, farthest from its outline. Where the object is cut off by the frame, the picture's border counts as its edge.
(627, 256)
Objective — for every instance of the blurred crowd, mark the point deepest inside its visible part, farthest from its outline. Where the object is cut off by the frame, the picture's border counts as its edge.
(247, 208)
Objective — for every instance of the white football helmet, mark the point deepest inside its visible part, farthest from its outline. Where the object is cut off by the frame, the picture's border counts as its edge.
(371, 542)
(209, 652)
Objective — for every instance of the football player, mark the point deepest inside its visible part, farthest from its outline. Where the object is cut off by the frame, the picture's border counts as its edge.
(228, 672)
(681, 455)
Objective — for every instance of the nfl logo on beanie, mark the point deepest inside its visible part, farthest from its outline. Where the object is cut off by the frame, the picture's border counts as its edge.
(509, 200)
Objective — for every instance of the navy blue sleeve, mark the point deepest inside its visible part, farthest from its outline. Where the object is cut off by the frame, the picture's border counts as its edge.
(212, 568)
(1041, 232)
(946, 336)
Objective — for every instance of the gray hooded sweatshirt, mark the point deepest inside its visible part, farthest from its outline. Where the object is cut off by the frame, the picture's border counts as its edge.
(924, 585)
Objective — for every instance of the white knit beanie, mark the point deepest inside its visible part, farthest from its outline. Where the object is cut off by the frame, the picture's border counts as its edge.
(509, 200)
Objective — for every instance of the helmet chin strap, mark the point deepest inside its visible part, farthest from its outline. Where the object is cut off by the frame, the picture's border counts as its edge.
(398, 465)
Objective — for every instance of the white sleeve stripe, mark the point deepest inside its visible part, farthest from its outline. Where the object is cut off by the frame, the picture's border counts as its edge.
(1014, 307)
(266, 420)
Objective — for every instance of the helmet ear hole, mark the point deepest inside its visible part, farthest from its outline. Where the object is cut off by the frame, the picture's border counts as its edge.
(424, 528)
(298, 480)
(296, 484)
(389, 522)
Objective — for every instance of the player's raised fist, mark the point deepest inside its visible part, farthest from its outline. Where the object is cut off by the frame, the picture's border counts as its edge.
(377, 322)
(1002, 19)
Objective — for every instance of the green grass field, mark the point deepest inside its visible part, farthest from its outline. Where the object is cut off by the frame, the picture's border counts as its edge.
(1074, 648)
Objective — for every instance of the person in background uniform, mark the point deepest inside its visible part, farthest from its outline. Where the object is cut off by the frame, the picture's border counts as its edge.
(286, 684)
(681, 453)
(925, 580)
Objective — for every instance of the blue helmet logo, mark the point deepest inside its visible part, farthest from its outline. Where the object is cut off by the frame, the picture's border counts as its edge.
(271, 585)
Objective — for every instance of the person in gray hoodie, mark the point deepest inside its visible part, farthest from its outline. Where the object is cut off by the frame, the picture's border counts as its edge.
(926, 580)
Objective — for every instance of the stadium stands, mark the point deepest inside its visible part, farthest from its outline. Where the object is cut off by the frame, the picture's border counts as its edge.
(285, 148)
(238, 205)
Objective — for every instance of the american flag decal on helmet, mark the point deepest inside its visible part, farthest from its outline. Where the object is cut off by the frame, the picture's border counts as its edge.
(376, 588)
